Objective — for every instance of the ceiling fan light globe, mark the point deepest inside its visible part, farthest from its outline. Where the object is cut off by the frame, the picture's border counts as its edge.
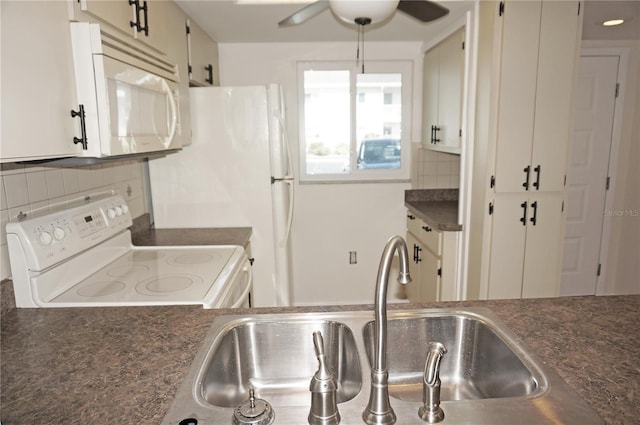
(376, 10)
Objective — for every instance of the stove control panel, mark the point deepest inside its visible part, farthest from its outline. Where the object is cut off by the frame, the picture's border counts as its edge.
(49, 239)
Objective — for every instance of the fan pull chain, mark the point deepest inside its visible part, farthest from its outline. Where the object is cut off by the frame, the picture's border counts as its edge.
(361, 22)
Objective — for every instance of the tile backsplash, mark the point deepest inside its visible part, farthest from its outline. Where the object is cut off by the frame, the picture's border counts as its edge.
(434, 170)
(26, 190)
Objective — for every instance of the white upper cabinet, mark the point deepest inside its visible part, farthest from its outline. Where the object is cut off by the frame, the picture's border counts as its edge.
(144, 20)
(539, 51)
(38, 85)
(203, 57)
(443, 83)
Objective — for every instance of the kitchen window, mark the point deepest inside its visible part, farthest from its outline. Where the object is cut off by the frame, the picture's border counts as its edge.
(354, 126)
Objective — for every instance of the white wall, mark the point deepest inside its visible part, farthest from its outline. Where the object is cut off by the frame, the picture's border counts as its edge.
(330, 219)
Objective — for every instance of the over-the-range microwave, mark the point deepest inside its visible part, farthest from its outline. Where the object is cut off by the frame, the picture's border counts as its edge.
(127, 97)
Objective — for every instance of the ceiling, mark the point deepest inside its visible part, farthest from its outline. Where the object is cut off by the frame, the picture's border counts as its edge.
(226, 21)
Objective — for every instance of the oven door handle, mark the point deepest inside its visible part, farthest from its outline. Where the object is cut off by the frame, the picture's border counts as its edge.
(245, 293)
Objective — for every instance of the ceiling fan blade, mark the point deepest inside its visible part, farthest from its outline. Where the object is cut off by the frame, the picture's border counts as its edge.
(305, 13)
(422, 10)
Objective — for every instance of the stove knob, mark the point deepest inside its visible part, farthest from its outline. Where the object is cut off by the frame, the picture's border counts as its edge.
(45, 238)
(111, 213)
(118, 211)
(59, 233)
(125, 208)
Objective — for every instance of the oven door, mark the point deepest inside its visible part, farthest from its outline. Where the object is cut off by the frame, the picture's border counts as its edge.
(237, 292)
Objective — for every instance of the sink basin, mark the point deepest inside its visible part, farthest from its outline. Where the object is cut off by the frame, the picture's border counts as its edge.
(277, 359)
(479, 364)
(488, 375)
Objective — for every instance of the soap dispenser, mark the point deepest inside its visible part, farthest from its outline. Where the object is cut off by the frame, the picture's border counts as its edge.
(323, 386)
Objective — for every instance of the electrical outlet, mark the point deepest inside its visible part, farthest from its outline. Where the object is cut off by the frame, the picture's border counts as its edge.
(353, 257)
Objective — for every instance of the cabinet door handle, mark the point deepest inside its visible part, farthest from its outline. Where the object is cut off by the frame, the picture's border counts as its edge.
(427, 228)
(534, 217)
(433, 127)
(435, 134)
(418, 259)
(411, 216)
(137, 25)
(523, 219)
(527, 171)
(536, 183)
(83, 128)
(145, 9)
(209, 69)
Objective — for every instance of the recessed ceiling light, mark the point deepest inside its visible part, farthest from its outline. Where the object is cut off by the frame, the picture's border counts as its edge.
(613, 22)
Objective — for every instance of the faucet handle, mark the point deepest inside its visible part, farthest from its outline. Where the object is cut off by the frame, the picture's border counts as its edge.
(323, 387)
(431, 411)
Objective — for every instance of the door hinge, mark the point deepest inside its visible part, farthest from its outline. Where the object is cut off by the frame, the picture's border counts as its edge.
(608, 184)
(501, 9)
(188, 29)
(579, 7)
(440, 272)
(599, 269)
(463, 45)
(460, 133)
(490, 208)
(562, 209)
(565, 180)
(617, 90)
(492, 182)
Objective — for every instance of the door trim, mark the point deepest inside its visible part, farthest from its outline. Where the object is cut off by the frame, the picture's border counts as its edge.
(623, 54)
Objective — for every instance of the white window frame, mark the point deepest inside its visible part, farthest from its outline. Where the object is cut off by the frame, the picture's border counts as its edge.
(402, 174)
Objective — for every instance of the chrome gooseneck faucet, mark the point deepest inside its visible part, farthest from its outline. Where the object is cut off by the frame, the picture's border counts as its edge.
(379, 411)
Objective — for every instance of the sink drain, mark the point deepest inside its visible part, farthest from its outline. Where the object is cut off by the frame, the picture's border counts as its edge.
(254, 411)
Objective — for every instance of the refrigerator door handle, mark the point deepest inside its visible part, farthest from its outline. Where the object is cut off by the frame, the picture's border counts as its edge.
(287, 146)
(287, 232)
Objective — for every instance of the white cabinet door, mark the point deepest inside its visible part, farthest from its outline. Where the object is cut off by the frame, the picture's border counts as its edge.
(119, 13)
(203, 57)
(526, 245)
(443, 78)
(450, 93)
(143, 20)
(38, 85)
(508, 236)
(429, 276)
(555, 82)
(412, 289)
(518, 68)
(543, 249)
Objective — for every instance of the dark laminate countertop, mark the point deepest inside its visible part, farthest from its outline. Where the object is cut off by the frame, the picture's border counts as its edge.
(124, 365)
(143, 234)
(438, 208)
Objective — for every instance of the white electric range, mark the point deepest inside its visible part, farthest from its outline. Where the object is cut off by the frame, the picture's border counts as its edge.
(83, 257)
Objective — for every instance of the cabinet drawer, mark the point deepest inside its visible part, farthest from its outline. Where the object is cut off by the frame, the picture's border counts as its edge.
(429, 237)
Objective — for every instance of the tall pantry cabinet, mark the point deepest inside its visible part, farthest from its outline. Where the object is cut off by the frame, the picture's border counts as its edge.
(536, 45)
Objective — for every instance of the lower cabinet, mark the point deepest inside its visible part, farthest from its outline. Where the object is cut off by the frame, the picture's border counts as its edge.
(433, 257)
(526, 245)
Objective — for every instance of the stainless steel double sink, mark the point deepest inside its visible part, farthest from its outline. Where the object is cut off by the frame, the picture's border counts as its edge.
(488, 376)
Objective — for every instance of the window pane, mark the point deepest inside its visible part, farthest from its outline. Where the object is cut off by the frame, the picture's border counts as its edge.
(379, 121)
(327, 122)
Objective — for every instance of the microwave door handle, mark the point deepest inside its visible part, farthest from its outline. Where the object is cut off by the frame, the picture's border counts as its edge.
(174, 113)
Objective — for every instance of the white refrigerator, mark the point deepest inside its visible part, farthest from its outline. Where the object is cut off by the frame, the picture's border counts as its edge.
(236, 173)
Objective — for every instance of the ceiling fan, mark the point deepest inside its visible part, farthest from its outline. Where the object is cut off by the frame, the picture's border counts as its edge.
(364, 12)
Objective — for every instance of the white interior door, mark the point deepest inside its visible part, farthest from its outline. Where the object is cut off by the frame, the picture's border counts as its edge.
(586, 181)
